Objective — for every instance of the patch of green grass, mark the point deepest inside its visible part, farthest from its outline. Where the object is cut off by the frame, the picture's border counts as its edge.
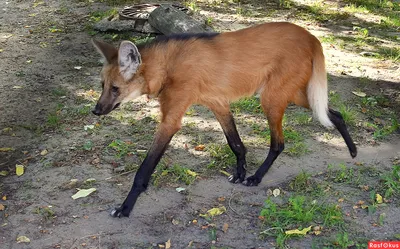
(139, 40)
(301, 182)
(192, 5)
(375, 5)
(301, 118)
(97, 16)
(297, 149)
(321, 12)
(122, 148)
(248, 105)
(222, 156)
(173, 174)
(341, 173)
(390, 182)
(261, 130)
(299, 212)
(294, 142)
(53, 120)
(390, 53)
(88, 145)
(343, 241)
(45, 211)
(363, 42)
(334, 98)
(352, 8)
(349, 114)
(59, 92)
(385, 130)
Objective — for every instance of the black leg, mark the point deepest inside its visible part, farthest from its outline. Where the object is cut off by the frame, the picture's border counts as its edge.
(235, 143)
(276, 147)
(144, 173)
(338, 121)
(274, 151)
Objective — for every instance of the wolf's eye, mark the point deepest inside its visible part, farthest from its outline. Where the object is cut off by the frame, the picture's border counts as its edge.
(114, 89)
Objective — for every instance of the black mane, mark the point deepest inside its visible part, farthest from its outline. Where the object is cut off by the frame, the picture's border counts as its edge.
(178, 37)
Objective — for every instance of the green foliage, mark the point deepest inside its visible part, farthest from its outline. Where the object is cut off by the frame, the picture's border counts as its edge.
(301, 182)
(222, 156)
(97, 16)
(375, 5)
(45, 211)
(294, 142)
(173, 174)
(299, 212)
(88, 145)
(349, 114)
(122, 148)
(340, 173)
(248, 105)
(390, 182)
(343, 241)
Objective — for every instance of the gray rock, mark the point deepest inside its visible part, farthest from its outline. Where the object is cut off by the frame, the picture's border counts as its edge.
(169, 20)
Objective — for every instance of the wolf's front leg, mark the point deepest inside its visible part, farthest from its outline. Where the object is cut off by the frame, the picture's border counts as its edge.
(142, 178)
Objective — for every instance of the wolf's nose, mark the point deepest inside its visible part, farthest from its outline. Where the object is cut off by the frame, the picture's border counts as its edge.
(97, 110)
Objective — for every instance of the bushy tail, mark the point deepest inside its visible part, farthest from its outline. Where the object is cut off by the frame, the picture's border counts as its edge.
(317, 90)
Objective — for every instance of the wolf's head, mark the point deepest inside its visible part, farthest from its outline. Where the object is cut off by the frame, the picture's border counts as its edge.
(120, 78)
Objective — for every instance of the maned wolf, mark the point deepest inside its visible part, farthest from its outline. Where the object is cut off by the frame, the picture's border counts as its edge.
(281, 62)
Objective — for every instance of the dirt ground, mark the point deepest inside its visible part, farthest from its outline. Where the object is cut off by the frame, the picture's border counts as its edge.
(49, 82)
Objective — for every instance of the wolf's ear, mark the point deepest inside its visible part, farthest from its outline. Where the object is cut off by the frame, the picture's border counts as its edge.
(109, 52)
(129, 59)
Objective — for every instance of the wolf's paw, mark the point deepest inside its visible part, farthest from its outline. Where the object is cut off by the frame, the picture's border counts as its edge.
(122, 211)
(237, 177)
(252, 181)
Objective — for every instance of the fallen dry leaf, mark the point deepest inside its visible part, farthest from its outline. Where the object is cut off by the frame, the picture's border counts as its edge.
(200, 147)
(299, 232)
(23, 239)
(19, 169)
(83, 193)
(3, 173)
(168, 244)
(379, 199)
(276, 192)
(359, 94)
(175, 222)
(4, 198)
(191, 173)
(6, 149)
(214, 212)
(2, 207)
(225, 173)
(225, 227)
(180, 189)
(44, 152)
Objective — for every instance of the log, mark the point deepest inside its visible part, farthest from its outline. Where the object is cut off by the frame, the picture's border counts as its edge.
(169, 20)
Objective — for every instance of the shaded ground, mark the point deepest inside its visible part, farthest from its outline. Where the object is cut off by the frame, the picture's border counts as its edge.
(49, 75)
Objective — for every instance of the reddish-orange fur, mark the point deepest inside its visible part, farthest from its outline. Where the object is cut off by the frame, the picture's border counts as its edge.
(274, 59)
(282, 62)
